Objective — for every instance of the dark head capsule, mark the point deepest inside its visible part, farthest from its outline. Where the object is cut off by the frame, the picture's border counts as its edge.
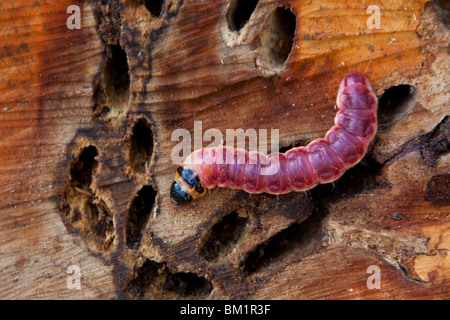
(178, 195)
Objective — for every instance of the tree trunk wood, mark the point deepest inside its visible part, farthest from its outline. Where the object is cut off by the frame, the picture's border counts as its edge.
(86, 123)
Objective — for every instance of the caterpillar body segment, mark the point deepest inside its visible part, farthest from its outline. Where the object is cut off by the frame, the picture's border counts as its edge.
(323, 160)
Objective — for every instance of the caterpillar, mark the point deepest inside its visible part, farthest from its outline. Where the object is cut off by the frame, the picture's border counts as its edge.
(323, 160)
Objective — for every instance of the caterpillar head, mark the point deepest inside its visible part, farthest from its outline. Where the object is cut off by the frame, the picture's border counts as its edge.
(186, 187)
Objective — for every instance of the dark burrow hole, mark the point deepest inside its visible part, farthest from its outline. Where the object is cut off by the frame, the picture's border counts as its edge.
(138, 214)
(305, 238)
(239, 13)
(302, 238)
(156, 276)
(82, 169)
(116, 78)
(223, 236)
(442, 8)
(154, 7)
(277, 39)
(187, 284)
(394, 104)
(141, 146)
(436, 143)
(91, 215)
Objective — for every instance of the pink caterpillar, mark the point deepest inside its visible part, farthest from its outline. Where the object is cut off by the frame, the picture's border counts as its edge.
(302, 168)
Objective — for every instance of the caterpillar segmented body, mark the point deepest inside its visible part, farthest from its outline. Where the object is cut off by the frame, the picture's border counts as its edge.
(299, 169)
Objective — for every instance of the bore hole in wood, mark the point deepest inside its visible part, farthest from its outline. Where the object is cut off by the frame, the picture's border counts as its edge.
(157, 280)
(84, 210)
(276, 40)
(141, 146)
(442, 8)
(362, 177)
(394, 104)
(116, 79)
(138, 214)
(82, 169)
(298, 240)
(223, 236)
(239, 13)
(154, 7)
(187, 284)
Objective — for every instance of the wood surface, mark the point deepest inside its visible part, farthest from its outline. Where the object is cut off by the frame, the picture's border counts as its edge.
(87, 116)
